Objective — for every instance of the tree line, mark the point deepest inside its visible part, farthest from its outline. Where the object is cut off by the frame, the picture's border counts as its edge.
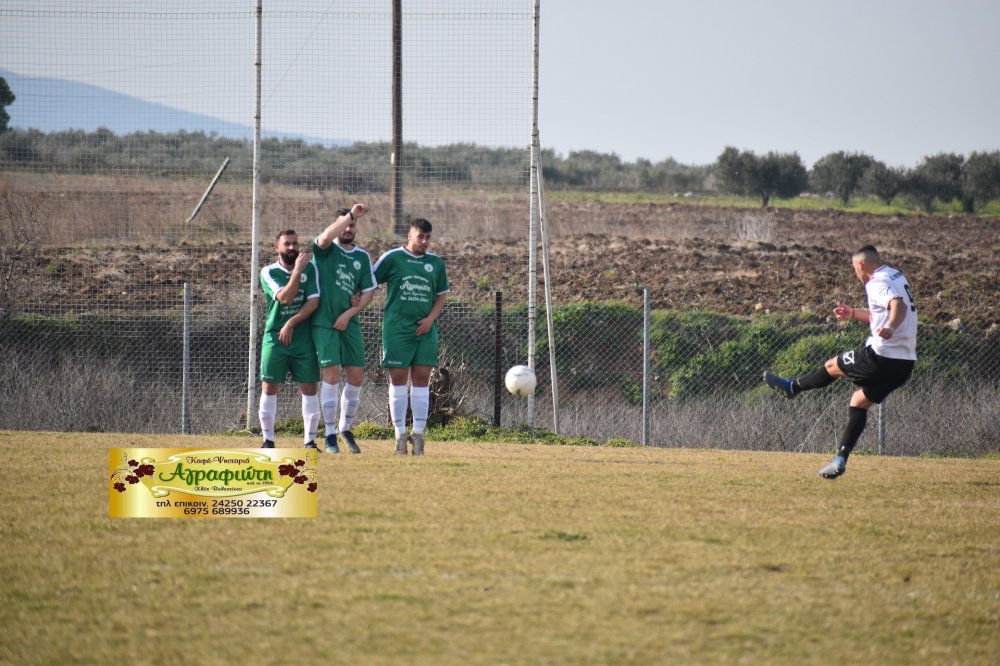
(946, 177)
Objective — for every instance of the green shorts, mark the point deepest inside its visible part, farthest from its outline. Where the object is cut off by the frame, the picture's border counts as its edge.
(276, 360)
(402, 350)
(338, 348)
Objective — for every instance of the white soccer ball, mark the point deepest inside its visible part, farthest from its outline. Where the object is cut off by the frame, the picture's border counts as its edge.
(520, 380)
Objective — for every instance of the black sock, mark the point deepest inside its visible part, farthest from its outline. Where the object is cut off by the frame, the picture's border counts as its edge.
(813, 380)
(857, 418)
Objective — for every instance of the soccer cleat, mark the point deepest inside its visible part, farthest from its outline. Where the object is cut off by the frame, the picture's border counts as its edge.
(418, 443)
(310, 445)
(784, 386)
(352, 446)
(834, 469)
(268, 444)
(331, 443)
(401, 444)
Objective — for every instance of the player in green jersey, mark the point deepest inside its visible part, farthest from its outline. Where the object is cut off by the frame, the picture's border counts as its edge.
(344, 270)
(292, 295)
(417, 288)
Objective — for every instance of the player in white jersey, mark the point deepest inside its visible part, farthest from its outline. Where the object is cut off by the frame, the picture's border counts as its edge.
(878, 368)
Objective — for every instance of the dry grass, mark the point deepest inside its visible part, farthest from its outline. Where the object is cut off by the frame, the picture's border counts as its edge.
(511, 554)
(107, 209)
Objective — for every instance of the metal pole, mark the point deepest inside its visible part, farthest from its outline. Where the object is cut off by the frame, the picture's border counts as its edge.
(882, 416)
(255, 232)
(497, 356)
(645, 366)
(186, 372)
(547, 277)
(396, 159)
(533, 219)
(211, 186)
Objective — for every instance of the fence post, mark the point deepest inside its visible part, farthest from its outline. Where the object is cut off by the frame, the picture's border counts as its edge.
(881, 427)
(497, 353)
(254, 226)
(645, 366)
(186, 373)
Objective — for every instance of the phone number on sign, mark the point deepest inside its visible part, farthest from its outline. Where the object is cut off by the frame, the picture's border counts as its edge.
(230, 507)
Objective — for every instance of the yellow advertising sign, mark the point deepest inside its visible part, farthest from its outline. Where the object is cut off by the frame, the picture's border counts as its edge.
(210, 483)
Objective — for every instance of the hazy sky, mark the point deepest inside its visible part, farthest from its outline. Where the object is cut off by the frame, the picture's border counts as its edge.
(897, 79)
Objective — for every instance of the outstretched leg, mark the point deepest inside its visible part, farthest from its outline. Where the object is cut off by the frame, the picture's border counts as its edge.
(818, 378)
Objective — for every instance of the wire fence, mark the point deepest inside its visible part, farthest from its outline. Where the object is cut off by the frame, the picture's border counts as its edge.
(124, 113)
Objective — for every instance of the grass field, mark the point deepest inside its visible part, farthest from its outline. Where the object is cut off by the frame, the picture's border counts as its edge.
(518, 554)
(859, 204)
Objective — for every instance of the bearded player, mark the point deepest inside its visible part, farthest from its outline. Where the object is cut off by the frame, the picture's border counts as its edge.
(292, 295)
(417, 289)
(344, 270)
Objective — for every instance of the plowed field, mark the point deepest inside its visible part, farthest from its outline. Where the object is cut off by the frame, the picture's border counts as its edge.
(689, 255)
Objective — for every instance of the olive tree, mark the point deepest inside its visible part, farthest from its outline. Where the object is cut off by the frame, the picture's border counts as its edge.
(6, 99)
(840, 173)
(937, 177)
(882, 181)
(774, 174)
(980, 179)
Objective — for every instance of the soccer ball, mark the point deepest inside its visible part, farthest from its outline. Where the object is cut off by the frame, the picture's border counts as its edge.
(520, 380)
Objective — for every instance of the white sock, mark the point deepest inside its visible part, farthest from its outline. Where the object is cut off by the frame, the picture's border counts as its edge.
(328, 398)
(397, 408)
(310, 417)
(420, 403)
(349, 401)
(266, 413)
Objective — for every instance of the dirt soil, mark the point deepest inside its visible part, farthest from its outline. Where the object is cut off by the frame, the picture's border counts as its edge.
(689, 256)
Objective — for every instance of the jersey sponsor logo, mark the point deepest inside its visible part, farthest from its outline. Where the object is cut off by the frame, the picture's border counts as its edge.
(848, 357)
(408, 286)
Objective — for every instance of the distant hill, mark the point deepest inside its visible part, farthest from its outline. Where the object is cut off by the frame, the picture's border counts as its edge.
(52, 105)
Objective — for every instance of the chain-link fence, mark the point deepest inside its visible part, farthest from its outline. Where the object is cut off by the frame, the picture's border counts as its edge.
(98, 235)
(703, 382)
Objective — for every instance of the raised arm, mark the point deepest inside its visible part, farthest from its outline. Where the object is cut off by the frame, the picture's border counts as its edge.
(337, 227)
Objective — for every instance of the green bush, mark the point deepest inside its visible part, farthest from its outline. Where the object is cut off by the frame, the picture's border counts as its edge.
(677, 336)
(809, 352)
(946, 354)
(587, 337)
(372, 430)
(621, 443)
(472, 429)
(734, 366)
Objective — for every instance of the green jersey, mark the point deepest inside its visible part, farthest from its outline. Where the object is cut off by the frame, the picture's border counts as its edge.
(414, 283)
(341, 274)
(273, 278)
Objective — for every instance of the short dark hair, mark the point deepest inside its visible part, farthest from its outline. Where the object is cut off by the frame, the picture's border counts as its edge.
(286, 232)
(869, 253)
(422, 224)
(341, 212)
